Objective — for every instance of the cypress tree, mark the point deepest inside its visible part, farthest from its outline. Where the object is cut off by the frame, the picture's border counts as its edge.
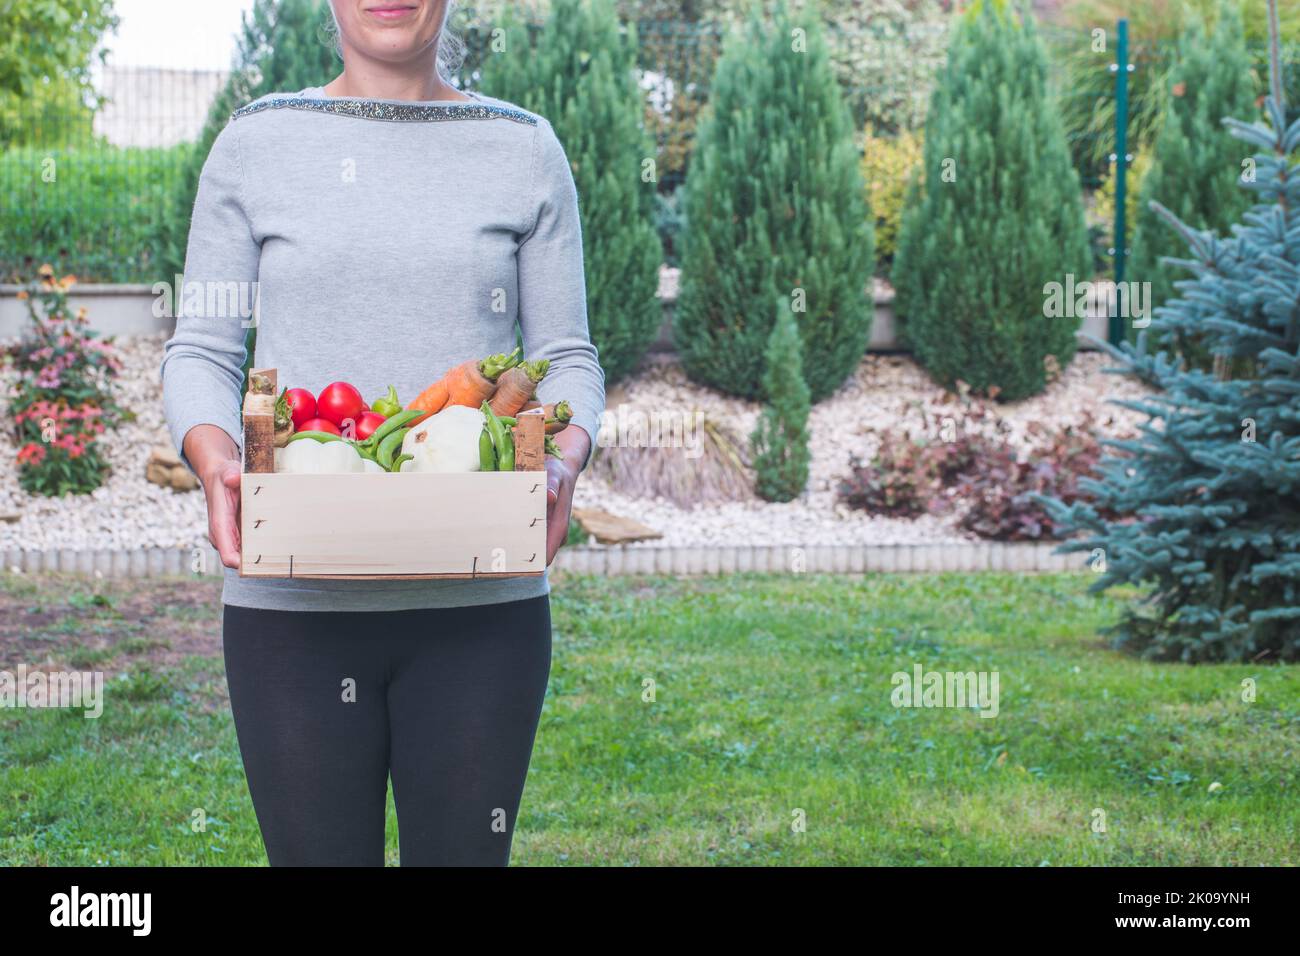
(780, 441)
(1202, 508)
(998, 217)
(578, 71)
(282, 47)
(1196, 163)
(775, 209)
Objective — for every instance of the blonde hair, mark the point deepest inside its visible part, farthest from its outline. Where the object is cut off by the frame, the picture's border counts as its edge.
(451, 49)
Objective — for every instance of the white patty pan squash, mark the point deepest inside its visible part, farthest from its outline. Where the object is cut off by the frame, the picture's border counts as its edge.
(310, 457)
(445, 442)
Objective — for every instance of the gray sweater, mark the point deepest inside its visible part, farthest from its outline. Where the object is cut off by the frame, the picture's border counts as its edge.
(383, 242)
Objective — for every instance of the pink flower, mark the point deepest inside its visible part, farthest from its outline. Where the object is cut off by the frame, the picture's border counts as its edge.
(48, 377)
(31, 454)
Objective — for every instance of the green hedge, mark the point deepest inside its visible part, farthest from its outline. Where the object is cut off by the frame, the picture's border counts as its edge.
(997, 218)
(91, 212)
(776, 213)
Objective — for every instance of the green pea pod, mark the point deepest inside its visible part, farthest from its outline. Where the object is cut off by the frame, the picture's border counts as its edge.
(500, 435)
(364, 450)
(388, 448)
(391, 425)
(506, 458)
(399, 460)
(487, 455)
(318, 436)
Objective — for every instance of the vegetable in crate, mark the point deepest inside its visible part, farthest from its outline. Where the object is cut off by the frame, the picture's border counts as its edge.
(558, 417)
(283, 420)
(469, 384)
(389, 405)
(304, 456)
(445, 442)
(319, 425)
(382, 445)
(503, 441)
(302, 405)
(338, 402)
(517, 385)
(389, 447)
(366, 424)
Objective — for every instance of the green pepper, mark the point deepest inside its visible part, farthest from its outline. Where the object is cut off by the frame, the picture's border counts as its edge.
(319, 436)
(388, 448)
(388, 406)
(487, 455)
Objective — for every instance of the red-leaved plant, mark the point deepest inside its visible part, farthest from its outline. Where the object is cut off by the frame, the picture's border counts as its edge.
(976, 473)
(61, 401)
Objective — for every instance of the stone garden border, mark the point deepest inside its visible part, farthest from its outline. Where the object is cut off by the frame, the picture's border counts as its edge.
(614, 561)
(126, 310)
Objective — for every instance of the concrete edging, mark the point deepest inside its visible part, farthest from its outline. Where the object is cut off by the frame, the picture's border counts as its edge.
(118, 310)
(614, 561)
(128, 310)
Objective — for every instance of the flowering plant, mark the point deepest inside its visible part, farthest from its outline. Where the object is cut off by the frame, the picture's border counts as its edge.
(61, 401)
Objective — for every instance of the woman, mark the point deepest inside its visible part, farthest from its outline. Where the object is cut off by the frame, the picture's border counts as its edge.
(392, 227)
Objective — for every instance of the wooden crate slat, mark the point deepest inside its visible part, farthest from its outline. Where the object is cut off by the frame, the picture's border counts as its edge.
(376, 526)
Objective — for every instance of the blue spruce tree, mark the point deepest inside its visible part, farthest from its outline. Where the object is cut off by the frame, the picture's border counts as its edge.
(1202, 509)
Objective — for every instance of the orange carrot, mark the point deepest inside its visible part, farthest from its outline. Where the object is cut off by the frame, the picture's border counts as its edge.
(432, 399)
(470, 383)
(515, 388)
(558, 415)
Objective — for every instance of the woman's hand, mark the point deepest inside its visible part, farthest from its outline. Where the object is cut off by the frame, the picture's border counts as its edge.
(215, 458)
(561, 477)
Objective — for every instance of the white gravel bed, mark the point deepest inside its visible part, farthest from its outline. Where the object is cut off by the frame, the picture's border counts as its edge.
(885, 398)
(888, 397)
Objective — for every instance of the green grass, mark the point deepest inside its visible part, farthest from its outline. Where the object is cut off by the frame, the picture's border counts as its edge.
(771, 702)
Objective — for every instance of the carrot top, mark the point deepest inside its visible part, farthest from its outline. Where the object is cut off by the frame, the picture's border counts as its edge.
(492, 366)
(536, 370)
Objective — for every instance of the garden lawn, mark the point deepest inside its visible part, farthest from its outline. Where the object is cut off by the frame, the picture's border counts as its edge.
(770, 705)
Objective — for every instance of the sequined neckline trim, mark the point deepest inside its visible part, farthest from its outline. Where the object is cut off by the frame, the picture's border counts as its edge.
(389, 110)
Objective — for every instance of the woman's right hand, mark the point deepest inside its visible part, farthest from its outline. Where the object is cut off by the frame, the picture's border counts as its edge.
(216, 460)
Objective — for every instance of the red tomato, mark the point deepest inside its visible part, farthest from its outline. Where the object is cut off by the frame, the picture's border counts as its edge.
(366, 424)
(338, 402)
(318, 425)
(302, 404)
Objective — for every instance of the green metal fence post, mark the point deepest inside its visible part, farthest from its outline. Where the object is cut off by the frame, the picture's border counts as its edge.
(1121, 159)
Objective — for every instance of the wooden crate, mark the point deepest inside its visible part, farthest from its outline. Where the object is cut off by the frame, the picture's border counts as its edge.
(390, 526)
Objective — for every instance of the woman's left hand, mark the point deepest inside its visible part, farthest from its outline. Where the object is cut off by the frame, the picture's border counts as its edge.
(561, 477)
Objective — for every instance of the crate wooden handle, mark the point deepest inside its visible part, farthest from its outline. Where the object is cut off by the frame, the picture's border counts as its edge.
(259, 426)
(530, 440)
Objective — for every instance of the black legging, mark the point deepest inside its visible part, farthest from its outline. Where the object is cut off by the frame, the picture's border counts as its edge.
(328, 704)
